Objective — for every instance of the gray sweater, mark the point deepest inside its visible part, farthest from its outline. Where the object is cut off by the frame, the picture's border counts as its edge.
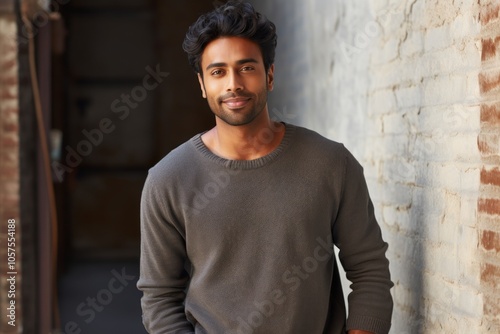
(232, 246)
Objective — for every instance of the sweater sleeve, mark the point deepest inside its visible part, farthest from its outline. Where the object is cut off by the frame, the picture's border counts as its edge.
(362, 253)
(163, 278)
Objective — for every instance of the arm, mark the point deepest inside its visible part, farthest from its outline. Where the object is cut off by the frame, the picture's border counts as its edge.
(362, 254)
(163, 279)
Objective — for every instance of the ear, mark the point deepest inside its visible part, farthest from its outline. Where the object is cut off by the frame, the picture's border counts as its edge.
(202, 86)
(270, 78)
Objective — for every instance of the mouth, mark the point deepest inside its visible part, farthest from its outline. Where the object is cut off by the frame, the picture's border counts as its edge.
(236, 103)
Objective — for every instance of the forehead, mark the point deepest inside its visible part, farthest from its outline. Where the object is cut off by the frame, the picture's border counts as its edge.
(229, 50)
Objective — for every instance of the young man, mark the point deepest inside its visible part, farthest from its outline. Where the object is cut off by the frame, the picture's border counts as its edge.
(238, 224)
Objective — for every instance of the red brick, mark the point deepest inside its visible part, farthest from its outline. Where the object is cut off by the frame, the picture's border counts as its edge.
(490, 114)
(9, 173)
(6, 94)
(487, 143)
(489, 82)
(489, 13)
(9, 158)
(491, 241)
(491, 305)
(9, 187)
(490, 47)
(490, 177)
(7, 112)
(489, 205)
(9, 81)
(11, 201)
(3, 228)
(10, 142)
(9, 64)
(10, 127)
(10, 214)
(490, 274)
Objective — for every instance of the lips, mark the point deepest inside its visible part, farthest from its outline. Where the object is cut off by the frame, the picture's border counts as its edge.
(237, 102)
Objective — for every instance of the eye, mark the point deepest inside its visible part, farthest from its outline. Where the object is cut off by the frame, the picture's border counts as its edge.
(247, 68)
(216, 73)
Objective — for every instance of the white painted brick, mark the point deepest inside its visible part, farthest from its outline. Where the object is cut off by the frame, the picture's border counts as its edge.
(466, 57)
(469, 263)
(440, 265)
(385, 52)
(393, 17)
(470, 325)
(400, 72)
(381, 102)
(427, 202)
(397, 194)
(468, 212)
(464, 26)
(444, 90)
(468, 182)
(403, 296)
(395, 145)
(416, 15)
(437, 38)
(399, 170)
(413, 46)
(460, 148)
(455, 178)
(469, 302)
(407, 105)
(473, 85)
(453, 119)
(408, 97)
(395, 216)
(374, 127)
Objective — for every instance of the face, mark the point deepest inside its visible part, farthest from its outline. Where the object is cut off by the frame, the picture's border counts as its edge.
(235, 82)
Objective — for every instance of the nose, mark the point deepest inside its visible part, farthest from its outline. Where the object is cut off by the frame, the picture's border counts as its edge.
(235, 82)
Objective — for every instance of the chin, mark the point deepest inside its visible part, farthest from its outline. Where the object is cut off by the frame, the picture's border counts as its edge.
(235, 118)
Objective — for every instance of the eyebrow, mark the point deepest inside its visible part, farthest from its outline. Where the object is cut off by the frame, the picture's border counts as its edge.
(239, 62)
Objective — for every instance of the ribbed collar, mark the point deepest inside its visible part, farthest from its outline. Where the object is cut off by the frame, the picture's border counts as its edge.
(246, 164)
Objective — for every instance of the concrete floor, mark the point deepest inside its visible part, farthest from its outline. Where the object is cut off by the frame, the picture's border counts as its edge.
(100, 298)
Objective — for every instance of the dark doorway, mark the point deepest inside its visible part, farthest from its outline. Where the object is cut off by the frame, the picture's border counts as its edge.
(129, 98)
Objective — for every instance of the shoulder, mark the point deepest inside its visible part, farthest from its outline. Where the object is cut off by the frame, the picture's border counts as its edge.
(311, 144)
(175, 162)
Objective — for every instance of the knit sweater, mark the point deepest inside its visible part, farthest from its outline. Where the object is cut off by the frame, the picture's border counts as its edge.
(246, 246)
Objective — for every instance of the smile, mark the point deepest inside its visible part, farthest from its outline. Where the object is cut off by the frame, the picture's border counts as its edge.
(236, 103)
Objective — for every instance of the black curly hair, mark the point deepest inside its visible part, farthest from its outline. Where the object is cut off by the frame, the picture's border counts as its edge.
(233, 19)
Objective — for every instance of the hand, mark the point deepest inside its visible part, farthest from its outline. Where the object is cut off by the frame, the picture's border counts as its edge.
(358, 331)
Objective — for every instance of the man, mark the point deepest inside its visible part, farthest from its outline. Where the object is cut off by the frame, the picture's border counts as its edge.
(238, 224)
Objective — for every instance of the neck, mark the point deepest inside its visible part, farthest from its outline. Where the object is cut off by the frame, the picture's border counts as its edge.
(245, 142)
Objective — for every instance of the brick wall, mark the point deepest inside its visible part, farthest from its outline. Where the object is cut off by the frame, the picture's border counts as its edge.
(9, 168)
(413, 90)
(489, 146)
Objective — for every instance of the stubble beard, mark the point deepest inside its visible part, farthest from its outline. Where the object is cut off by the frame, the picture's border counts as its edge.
(240, 117)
